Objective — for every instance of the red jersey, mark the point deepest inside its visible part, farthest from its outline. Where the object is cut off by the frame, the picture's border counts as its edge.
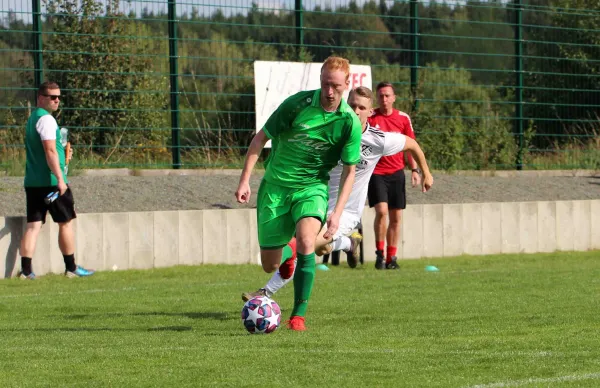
(396, 122)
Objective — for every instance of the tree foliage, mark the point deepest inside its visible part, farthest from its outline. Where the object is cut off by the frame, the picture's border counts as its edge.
(114, 69)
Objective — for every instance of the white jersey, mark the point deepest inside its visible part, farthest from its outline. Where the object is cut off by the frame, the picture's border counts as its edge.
(374, 144)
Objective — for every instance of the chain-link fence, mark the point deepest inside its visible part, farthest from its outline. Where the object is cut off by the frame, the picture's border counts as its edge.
(488, 84)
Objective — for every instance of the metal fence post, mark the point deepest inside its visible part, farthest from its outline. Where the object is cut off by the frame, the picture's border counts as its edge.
(299, 17)
(414, 50)
(174, 80)
(519, 81)
(38, 62)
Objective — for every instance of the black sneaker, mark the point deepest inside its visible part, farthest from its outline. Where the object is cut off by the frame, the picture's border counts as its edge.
(393, 264)
(379, 260)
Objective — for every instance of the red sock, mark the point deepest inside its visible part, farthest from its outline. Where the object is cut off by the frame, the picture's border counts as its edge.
(391, 252)
(287, 268)
(379, 245)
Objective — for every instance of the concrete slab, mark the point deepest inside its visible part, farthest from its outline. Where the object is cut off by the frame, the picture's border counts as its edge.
(472, 228)
(546, 226)
(595, 224)
(491, 228)
(56, 259)
(433, 231)
(166, 238)
(511, 240)
(116, 240)
(254, 247)
(41, 257)
(528, 224)
(183, 172)
(400, 243)
(106, 172)
(582, 220)
(453, 229)
(215, 237)
(239, 236)
(146, 240)
(565, 226)
(11, 232)
(190, 237)
(412, 233)
(90, 241)
(368, 234)
(141, 240)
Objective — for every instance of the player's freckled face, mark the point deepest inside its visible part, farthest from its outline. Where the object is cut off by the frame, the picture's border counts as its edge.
(333, 85)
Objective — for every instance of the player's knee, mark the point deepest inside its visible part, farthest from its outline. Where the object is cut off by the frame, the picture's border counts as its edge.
(270, 267)
(33, 227)
(65, 225)
(305, 244)
(381, 212)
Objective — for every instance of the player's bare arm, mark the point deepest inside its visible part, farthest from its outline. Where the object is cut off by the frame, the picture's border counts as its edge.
(415, 177)
(242, 194)
(54, 164)
(346, 183)
(417, 153)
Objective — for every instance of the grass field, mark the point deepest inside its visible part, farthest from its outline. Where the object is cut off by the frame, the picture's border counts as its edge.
(495, 321)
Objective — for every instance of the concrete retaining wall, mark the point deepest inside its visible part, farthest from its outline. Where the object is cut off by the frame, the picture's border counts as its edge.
(159, 239)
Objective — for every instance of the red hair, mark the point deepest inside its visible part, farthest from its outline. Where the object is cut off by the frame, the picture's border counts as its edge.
(337, 63)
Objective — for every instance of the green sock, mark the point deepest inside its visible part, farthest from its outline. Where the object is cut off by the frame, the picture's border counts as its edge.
(287, 253)
(303, 283)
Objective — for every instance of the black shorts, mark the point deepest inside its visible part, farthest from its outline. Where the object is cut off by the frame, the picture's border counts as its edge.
(388, 188)
(62, 209)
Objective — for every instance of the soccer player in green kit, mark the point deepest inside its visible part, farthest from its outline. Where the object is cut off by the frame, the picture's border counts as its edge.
(310, 131)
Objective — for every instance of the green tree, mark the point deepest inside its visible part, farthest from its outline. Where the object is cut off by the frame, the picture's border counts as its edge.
(563, 71)
(463, 125)
(103, 61)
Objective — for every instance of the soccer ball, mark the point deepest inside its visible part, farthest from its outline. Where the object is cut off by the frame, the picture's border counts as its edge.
(261, 315)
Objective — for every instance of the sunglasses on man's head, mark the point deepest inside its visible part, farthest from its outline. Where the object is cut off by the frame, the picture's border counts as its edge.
(53, 97)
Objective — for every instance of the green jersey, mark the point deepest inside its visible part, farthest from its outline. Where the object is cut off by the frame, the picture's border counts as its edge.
(37, 172)
(309, 141)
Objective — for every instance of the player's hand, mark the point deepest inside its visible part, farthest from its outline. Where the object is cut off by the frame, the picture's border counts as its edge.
(427, 183)
(415, 179)
(333, 223)
(243, 192)
(69, 152)
(62, 187)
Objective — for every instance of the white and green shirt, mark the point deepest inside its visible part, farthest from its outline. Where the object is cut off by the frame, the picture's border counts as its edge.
(42, 126)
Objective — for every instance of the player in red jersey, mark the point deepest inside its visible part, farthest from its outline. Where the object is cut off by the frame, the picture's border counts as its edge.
(387, 192)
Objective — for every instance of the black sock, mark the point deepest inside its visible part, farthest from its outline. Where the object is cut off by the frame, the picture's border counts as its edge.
(70, 262)
(26, 265)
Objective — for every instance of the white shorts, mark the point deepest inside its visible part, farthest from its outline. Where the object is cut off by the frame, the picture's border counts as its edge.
(348, 223)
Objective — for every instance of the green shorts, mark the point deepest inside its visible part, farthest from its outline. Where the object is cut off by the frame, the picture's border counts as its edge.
(279, 208)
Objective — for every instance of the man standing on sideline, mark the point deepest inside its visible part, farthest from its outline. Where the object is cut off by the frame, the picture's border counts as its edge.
(387, 187)
(45, 184)
(310, 132)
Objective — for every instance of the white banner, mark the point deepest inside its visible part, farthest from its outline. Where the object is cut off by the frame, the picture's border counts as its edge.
(276, 81)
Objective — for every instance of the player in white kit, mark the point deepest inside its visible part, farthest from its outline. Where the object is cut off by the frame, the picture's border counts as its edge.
(374, 145)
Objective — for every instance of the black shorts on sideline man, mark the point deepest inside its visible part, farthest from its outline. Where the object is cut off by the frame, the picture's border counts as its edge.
(62, 209)
(388, 188)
